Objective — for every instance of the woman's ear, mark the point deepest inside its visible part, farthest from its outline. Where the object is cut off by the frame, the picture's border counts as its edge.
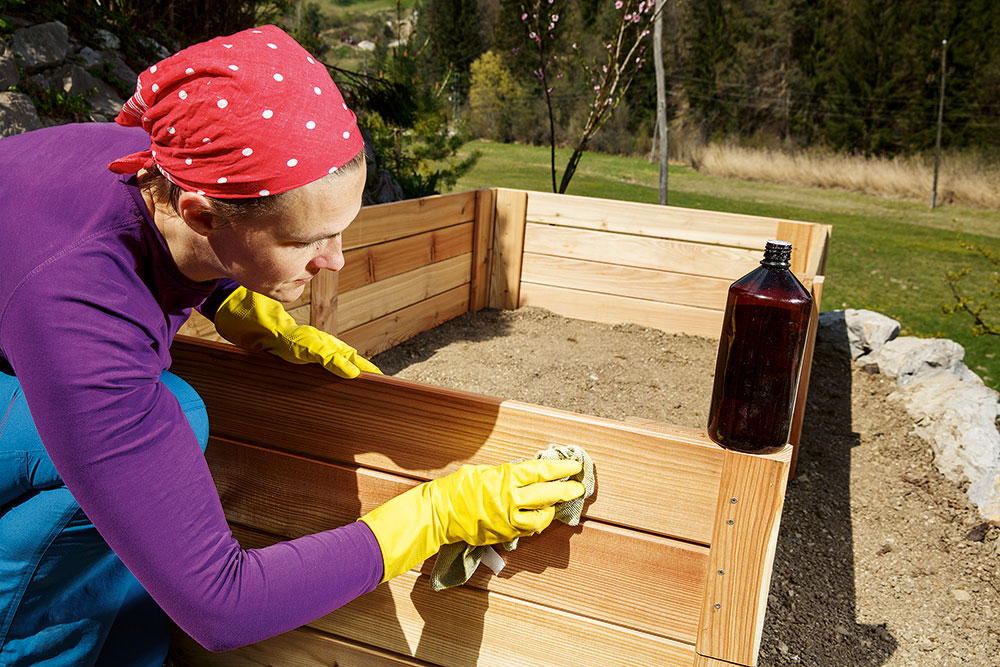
(196, 211)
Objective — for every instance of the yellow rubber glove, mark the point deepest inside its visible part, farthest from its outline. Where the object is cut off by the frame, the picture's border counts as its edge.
(478, 504)
(256, 322)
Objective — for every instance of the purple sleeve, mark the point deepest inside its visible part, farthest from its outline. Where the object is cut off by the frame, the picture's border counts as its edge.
(89, 363)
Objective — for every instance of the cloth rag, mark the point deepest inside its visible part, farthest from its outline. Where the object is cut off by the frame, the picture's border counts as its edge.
(456, 563)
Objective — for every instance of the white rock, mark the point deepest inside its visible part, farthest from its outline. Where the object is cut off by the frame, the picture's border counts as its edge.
(107, 39)
(119, 68)
(17, 114)
(908, 358)
(366, 45)
(88, 56)
(985, 494)
(9, 76)
(857, 332)
(158, 49)
(74, 80)
(40, 46)
(958, 419)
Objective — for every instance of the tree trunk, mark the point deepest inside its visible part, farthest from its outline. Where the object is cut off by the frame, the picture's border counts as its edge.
(661, 98)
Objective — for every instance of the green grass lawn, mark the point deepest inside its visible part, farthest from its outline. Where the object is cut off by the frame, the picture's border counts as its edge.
(885, 255)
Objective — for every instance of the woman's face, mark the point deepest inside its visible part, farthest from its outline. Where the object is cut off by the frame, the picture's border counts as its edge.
(277, 255)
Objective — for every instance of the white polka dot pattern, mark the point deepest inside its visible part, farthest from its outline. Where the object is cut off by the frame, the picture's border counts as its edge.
(248, 115)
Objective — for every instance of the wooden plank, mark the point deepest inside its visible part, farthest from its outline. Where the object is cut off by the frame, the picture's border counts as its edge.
(464, 626)
(612, 309)
(482, 247)
(422, 431)
(385, 222)
(649, 284)
(819, 250)
(390, 330)
(302, 314)
(799, 234)
(742, 555)
(657, 587)
(508, 248)
(802, 393)
(640, 251)
(667, 222)
(201, 327)
(303, 647)
(323, 301)
(306, 296)
(704, 661)
(370, 264)
(370, 302)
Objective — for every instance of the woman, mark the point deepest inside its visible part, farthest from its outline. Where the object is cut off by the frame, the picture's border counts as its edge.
(242, 167)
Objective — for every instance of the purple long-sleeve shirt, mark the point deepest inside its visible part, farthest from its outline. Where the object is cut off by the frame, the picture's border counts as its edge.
(90, 299)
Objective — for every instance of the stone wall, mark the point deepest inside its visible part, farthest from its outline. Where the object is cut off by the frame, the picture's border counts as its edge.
(47, 58)
(952, 409)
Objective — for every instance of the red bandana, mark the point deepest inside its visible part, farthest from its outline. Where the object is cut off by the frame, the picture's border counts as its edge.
(247, 115)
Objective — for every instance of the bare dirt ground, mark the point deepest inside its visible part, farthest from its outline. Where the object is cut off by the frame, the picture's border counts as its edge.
(880, 560)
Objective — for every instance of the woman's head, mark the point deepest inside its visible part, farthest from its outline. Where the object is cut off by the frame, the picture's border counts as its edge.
(242, 116)
(253, 147)
(273, 245)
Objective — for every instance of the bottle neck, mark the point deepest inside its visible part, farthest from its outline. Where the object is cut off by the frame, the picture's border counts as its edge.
(777, 254)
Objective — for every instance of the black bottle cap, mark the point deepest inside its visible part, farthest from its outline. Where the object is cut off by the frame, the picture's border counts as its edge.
(777, 253)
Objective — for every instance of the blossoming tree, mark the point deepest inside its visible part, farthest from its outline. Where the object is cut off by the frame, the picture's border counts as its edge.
(608, 77)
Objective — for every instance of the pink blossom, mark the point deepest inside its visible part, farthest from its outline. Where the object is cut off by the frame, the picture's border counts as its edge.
(596, 87)
(618, 4)
(515, 50)
(533, 35)
(628, 17)
(559, 75)
(524, 16)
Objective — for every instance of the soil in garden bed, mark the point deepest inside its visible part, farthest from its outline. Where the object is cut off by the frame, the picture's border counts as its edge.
(880, 560)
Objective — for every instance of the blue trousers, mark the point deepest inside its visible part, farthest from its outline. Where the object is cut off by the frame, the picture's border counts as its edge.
(65, 598)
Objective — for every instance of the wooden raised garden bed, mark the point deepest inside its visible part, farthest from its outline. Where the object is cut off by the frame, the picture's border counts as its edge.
(672, 562)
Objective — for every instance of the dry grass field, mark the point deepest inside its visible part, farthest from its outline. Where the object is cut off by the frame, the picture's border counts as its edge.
(963, 180)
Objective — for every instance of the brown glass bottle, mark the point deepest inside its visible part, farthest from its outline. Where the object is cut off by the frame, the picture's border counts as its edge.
(760, 354)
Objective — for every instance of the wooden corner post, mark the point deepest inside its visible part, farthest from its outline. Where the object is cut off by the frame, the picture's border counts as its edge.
(323, 304)
(745, 533)
(508, 248)
(482, 248)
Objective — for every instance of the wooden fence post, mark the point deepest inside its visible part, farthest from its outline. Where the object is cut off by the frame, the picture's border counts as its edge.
(508, 248)
(323, 304)
(745, 533)
(482, 248)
